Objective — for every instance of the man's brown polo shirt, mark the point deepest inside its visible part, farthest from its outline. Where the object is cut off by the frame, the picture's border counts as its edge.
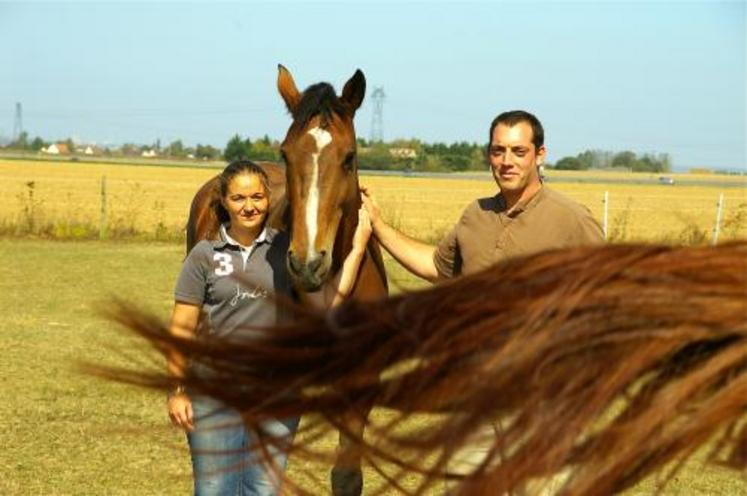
(487, 233)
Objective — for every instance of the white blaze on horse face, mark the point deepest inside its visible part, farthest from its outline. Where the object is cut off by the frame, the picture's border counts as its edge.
(322, 138)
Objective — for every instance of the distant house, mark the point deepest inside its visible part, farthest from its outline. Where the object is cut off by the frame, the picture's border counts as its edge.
(88, 150)
(148, 153)
(57, 149)
(403, 153)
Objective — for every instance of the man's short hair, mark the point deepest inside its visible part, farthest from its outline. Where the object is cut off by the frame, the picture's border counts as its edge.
(513, 117)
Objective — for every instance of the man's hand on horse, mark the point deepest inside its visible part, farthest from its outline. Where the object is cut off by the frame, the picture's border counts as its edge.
(371, 206)
(363, 231)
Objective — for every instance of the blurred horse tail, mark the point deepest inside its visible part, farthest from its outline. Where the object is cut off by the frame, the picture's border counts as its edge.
(605, 365)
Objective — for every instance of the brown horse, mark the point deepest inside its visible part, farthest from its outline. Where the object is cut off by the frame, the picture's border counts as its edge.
(316, 197)
(608, 364)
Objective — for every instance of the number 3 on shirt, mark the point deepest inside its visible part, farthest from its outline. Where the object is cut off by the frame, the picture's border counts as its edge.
(224, 264)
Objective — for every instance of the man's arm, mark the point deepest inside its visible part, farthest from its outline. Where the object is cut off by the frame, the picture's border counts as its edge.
(415, 256)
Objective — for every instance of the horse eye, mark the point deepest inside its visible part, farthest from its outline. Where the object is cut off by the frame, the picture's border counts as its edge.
(349, 161)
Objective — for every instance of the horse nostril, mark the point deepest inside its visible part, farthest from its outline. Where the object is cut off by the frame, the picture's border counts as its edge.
(293, 262)
(322, 253)
(315, 263)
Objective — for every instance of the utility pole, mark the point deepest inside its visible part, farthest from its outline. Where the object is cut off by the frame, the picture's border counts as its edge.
(377, 123)
(18, 122)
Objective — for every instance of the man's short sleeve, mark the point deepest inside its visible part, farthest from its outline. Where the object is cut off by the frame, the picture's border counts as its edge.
(445, 258)
(190, 286)
(588, 231)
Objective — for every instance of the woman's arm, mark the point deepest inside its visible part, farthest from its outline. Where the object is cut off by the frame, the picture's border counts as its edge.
(338, 288)
(184, 320)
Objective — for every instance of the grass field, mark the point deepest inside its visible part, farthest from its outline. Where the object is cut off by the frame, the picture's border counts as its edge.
(63, 432)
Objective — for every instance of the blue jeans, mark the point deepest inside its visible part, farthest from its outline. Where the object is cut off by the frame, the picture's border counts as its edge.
(223, 462)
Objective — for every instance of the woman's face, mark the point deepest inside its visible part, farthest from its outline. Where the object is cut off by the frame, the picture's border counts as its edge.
(247, 202)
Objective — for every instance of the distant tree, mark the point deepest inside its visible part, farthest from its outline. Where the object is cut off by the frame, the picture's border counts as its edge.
(652, 163)
(236, 149)
(37, 144)
(377, 157)
(599, 159)
(644, 164)
(21, 142)
(261, 150)
(665, 162)
(130, 149)
(569, 163)
(433, 163)
(456, 162)
(458, 156)
(206, 152)
(477, 159)
(175, 149)
(586, 160)
(626, 159)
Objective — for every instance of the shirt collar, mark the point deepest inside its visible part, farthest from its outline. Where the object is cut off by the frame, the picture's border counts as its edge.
(224, 239)
(523, 205)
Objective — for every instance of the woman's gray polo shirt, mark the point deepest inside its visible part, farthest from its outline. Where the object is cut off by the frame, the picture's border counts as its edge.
(209, 278)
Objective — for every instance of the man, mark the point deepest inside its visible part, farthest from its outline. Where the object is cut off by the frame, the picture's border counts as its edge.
(523, 218)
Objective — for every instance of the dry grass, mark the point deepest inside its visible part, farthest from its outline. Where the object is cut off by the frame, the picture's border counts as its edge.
(148, 198)
(140, 197)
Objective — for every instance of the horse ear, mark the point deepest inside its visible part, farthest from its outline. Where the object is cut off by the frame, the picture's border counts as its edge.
(355, 90)
(287, 88)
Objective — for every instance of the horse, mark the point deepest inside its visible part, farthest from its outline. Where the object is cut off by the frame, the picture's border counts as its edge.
(610, 363)
(315, 196)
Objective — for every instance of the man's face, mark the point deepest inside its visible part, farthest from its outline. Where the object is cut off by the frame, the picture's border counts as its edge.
(514, 159)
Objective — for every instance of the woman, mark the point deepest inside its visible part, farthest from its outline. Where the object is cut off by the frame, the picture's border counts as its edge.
(220, 444)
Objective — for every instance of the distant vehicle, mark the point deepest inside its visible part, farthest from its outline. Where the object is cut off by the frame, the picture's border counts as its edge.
(666, 180)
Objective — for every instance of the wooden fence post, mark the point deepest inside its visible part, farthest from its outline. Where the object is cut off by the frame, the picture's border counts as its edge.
(717, 227)
(606, 210)
(103, 219)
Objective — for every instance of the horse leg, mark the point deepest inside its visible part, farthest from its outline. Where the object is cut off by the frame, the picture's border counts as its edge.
(346, 475)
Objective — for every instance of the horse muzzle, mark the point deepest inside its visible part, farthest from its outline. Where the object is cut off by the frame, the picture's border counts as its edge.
(309, 274)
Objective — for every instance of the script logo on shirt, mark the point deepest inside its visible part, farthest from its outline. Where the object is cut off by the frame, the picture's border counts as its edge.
(254, 294)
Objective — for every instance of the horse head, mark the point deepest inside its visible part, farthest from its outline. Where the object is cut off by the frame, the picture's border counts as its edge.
(319, 151)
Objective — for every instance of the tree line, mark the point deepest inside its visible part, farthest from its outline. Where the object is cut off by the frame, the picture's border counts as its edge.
(627, 160)
(410, 155)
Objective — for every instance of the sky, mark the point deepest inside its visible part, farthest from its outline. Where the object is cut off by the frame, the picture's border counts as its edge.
(651, 77)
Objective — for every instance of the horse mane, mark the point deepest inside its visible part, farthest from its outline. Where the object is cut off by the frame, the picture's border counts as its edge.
(606, 364)
(318, 99)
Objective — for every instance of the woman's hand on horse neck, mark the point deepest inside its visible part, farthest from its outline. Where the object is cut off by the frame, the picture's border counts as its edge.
(339, 287)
